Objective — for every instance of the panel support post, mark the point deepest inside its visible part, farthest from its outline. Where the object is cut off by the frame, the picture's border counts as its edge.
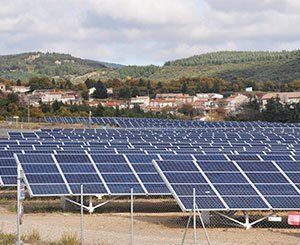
(194, 216)
(131, 218)
(81, 215)
(247, 222)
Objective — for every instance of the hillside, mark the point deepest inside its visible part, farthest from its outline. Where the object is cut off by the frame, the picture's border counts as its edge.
(229, 65)
(281, 66)
(27, 65)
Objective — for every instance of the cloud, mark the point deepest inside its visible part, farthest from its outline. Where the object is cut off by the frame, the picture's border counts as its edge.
(148, 31)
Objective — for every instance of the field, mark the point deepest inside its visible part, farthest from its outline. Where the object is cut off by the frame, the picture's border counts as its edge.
(152, 225)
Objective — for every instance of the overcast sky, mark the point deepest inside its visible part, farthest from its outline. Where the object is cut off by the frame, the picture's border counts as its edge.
(147, 31)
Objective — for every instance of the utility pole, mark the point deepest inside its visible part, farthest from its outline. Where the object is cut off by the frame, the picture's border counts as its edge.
(28, 111)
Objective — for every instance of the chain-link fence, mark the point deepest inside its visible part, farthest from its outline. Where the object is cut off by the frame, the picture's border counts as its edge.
(156, 220)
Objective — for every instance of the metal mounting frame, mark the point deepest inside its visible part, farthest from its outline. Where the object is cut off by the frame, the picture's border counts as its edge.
(247, 224)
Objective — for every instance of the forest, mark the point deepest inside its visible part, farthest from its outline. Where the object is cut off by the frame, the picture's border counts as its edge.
(283, 66)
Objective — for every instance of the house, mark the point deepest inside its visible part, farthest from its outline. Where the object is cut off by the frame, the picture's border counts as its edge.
(161, 103)
(120, 104)
(284, 97)
(168, 95)
(212, 96)
(48, 96)
(110, 91)
(2, 87)
(184, 99)
(92, 90)
(71, 98)
(234, 102)
(141, 101)
(20, 89)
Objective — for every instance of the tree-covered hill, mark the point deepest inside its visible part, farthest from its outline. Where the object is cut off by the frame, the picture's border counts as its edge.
(229, 65)
(26, 65)
(281, 66)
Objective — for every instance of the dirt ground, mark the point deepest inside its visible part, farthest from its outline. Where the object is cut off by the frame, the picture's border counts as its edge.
(149, 228)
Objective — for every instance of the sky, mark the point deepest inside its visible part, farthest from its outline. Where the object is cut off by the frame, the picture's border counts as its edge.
(147, 31)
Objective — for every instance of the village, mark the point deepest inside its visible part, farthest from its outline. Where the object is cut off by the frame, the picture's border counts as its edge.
(202, 104)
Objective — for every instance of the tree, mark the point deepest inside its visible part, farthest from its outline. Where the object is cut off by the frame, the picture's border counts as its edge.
(90, 83)
(187, 110)
(40, 83)
(184, 88)
(135, 91)
(99, 111)
(274, 111)
(56, 106)
(36, 112)
(101, 91)
(125, 93)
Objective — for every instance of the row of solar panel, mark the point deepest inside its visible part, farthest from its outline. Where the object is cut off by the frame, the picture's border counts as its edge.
(236, 185)
(148, 122)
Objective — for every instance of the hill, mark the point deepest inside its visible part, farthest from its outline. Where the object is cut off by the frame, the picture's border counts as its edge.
(281, 66)
(230, 65)
(26, 65)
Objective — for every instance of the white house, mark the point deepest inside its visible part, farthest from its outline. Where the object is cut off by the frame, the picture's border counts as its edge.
(2, 87)
(140, 100)
(284, 97)
(209, 96)
(20, 89)
(235, 101)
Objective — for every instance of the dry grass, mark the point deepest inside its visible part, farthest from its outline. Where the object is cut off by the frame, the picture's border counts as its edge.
(69, 239)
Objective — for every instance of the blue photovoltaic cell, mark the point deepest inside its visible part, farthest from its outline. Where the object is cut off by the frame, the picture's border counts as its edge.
(35, 158)
(39, 168)
(77, 168)
(177, 157)
(119, 178)
(289, 166)
(186, 177)
(9, 180)
(88, 188)
(243, 157)
(44, 178)
(202, 203)
(83, 178)
(142, 158)
(108, 158)
(226, 178)
(217, 166)
(235, 190)
(178, 166)
(157, 188)
(277, 189)
(53, 189)
(150, 178)
(284, 202)
(258, 166)
(210, 157)
(245, 202)
(267, 178)
(113, 168)
(72, 159)
(200, 189)
(125, 188)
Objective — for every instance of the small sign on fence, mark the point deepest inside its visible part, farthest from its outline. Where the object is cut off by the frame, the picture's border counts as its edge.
(294, 219)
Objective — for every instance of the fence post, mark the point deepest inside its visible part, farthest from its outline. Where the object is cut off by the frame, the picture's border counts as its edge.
(194, 214)
(81, 215)
(131, 219)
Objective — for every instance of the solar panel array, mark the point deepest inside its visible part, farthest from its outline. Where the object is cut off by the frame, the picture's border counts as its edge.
(232, 166)
(159, 123)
